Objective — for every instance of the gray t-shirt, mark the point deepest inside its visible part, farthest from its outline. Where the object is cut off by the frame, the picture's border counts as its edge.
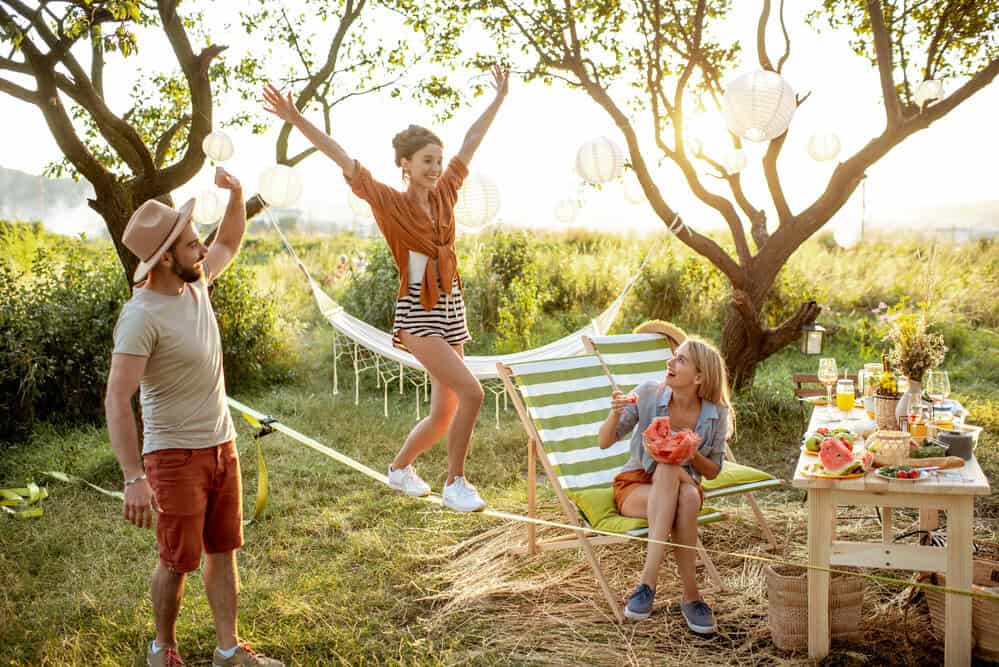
(653, 401)
(183, 388)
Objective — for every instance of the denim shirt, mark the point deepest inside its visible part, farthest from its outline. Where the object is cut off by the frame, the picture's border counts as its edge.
(712, 426)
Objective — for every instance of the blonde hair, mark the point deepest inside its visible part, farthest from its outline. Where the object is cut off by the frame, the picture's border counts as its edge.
(714, 376)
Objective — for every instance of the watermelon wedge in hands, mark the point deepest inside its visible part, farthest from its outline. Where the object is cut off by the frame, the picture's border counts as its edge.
(664, 446)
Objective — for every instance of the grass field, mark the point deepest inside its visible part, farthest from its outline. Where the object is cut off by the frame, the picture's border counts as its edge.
(342, 572)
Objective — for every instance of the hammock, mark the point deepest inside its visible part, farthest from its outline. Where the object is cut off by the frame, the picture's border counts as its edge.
(370, 347)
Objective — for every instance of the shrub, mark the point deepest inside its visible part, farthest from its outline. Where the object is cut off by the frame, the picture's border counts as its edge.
(57, 320)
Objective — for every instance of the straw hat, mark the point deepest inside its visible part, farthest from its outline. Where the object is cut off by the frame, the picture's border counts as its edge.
(674, 334)
(153, 228)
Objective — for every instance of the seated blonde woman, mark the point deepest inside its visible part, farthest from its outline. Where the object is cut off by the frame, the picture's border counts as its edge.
(694, 394)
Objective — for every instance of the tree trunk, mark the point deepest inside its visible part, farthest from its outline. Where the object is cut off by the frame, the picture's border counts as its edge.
(745, 342)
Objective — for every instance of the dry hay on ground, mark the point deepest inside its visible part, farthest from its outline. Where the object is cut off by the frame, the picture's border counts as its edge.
(547, 609)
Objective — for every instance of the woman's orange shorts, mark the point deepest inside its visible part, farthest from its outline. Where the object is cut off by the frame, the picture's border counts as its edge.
(626, 481)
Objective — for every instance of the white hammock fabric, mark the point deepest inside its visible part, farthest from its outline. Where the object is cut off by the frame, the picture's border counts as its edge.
(377, 344)
(482, 367)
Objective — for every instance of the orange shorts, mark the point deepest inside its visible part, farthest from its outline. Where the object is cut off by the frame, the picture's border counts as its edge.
(628, 480)
(199, 492)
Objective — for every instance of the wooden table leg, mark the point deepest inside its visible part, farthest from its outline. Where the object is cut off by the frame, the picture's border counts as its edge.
(886, 524)
(929, 519)
(957, 626)
(820, 508)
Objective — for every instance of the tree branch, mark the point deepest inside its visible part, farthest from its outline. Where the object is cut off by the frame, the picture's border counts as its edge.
(761, 37)
(787, 40)
(773, 179)
(97, 60)
(23, 94)
(166, 139)
(883, 50)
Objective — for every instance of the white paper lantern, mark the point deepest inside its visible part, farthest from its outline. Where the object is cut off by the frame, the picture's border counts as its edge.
(478, 202)
(208, 207)
(734, 161)
(218, 146)
(927, 91)
(360, 208)
(280, 186)
(823, 146)
(632, 189)
(758, 105)
(565, 211)
(599, 161)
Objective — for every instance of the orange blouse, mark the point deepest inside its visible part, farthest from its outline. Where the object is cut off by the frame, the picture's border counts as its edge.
(406, 226)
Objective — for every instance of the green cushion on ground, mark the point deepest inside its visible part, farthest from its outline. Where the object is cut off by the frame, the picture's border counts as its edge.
(737, 478)
(597, 505)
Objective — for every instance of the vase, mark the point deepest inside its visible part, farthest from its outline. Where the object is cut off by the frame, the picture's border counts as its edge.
(912, 395)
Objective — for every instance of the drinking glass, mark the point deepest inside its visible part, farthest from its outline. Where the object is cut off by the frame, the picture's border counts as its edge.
(937, 385)
(828, 374)
(845, 395)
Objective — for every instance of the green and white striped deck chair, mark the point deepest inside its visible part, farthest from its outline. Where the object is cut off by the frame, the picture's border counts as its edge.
(561, 404)
(631, 359)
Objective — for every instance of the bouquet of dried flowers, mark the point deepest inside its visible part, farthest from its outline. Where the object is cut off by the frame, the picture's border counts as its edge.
(914, 350)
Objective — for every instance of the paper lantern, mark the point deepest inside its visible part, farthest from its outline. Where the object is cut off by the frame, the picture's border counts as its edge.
(209, 207)
(565, 211)
(758, 105)
(280, 186)
(823, 146)
(360, 208)
(734, 161)
(927, 91)
(599, 161)
(478, 202)
(218, 146)
(632, 189)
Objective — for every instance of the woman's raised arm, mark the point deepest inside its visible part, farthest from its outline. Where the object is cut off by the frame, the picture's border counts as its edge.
(284, 108)
(501, 82)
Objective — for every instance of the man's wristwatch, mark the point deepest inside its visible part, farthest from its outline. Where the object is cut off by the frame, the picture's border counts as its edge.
(130, 482)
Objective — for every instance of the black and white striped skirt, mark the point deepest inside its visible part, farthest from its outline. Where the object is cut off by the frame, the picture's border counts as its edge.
(446, 320)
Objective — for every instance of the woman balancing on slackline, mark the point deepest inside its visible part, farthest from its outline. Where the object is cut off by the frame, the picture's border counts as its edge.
(418, 225)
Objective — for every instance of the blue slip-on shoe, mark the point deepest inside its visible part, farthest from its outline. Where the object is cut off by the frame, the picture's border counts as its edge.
(699, 616)
(639, 605)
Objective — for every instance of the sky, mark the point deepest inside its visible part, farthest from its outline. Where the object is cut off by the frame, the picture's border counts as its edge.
(530, 150)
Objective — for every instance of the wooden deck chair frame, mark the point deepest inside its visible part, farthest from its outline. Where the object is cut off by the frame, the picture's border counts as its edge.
(580, 538)
(750, 499)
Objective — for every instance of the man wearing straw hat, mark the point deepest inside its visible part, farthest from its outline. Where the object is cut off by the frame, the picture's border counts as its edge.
(167, 345)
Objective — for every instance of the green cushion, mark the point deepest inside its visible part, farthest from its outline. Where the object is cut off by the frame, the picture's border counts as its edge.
(597, 506)
(737, 478)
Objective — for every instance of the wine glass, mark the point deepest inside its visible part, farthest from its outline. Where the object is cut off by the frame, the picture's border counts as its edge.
(828, 374)
(937, 385)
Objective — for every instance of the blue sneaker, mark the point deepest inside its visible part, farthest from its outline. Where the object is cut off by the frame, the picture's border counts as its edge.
(699, 616)
(639, 605)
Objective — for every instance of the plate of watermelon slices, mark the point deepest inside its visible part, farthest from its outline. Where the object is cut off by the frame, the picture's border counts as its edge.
(838, 460)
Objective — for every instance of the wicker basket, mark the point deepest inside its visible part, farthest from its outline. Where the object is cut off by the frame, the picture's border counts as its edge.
(884, 412)
(787, 593)
(892, 447)
(984, 613)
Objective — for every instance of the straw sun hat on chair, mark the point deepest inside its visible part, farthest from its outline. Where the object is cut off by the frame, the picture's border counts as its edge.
(674, 334)
(152, 230)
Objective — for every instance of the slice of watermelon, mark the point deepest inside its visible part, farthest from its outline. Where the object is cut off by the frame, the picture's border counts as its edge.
(836, 456)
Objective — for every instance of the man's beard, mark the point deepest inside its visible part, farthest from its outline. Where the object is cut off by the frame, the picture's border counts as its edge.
(189, 274)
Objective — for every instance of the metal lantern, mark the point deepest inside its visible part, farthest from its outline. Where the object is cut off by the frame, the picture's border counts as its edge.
(218, 146)
(209, 207)
(280, 186)
(811, 338)
(478, 202)
(565, 211)
(360, 208)
(758, 105)
(599, 161)
(632, 189)
(928, 91)
(734, 161)
(823, 146)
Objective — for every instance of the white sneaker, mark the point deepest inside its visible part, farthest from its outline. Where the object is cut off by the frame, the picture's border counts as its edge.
(407, 481)
(461, 496)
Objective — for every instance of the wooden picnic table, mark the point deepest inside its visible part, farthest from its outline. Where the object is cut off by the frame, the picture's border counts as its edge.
(955, 496)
